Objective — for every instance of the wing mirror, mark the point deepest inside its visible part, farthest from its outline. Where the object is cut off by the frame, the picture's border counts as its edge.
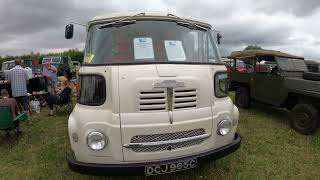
(69, 31)
(219, 37)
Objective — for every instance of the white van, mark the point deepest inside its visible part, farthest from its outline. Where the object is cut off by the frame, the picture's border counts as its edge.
(8, 65)
(153, 97)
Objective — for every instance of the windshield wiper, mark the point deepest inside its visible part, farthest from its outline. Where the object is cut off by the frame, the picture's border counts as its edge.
(191, 25)
(120, 23)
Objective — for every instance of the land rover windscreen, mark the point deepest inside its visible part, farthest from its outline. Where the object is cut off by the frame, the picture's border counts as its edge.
(52, 60)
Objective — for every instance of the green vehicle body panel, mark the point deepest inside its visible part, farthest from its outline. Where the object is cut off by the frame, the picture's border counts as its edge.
(274, 89)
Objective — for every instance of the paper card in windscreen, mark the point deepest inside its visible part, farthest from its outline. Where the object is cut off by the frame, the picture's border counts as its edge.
(143, 48)
(175, 51)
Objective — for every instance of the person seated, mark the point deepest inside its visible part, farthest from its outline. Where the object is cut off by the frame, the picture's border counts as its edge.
(62, 98)
(5, 101)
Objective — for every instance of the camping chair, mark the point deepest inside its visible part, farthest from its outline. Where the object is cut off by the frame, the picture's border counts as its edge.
(6, 121)
(67, 106)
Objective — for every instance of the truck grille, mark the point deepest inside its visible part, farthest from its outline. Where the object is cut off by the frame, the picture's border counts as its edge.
(156, 100)
(185, 98)
(153, 100)
(166, 137)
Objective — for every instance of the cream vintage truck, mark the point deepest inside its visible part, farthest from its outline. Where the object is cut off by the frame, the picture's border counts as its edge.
(153, 97)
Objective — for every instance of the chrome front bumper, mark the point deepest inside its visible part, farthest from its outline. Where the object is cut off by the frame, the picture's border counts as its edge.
(139, 168)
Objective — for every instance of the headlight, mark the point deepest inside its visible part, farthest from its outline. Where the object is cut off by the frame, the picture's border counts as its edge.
(221, 84)
(96, 141)
(224, 127)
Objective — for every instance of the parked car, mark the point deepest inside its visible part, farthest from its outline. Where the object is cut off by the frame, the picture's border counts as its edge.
(2, 77)
(64, 64)
(287, 85)
(313, 66)
(150, 102)
(239, 66)
(6, 66)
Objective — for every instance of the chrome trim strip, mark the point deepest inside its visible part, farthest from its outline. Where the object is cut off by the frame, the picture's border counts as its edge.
(170, 116)
(158, 143)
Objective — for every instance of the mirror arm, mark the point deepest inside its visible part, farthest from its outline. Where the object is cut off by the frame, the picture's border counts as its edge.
(84, 25)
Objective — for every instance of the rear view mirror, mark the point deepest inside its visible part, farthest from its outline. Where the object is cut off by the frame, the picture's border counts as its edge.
(219, 37)
(69, 31)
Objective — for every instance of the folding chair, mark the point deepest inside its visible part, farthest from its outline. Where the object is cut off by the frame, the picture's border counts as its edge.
(6, 121)
(67, 106)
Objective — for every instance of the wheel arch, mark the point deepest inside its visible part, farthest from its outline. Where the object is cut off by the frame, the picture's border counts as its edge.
(296, 98)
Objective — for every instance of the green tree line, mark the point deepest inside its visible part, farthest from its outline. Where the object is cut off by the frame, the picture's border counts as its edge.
(75, 54)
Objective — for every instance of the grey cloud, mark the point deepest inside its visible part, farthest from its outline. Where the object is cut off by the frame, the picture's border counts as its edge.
(250, 34)
(34, 25)
(296, 7)
(37, 25)
(32, 16)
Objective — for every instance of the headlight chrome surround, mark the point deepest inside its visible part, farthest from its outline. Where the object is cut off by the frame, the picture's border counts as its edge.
(221, 84)
(224, 127)
(96, 141)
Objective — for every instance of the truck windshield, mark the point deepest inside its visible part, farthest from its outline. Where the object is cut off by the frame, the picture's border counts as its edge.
(56, 60)
(46, 60)
(150, 42)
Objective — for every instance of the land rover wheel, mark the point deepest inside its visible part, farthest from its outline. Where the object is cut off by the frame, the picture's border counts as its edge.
(304, 118)
(242, 98)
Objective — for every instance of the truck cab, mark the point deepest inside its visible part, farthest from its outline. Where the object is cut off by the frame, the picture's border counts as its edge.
(153, 97)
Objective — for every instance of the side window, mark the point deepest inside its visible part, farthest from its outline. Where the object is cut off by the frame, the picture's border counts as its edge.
(211, 54)
(92, 90)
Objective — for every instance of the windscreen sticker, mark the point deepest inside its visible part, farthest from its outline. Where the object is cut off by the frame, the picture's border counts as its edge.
(88, 58)
(143, 48)
(175, 51)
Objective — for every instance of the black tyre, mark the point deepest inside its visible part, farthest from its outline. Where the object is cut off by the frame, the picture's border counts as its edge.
(243, 98)
(304, 118)
(311, 76)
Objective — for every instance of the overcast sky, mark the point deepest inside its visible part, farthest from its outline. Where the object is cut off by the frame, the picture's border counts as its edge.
(291, 26)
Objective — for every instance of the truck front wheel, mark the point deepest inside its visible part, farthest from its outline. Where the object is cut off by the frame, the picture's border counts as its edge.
(242, 98)
(304, 118)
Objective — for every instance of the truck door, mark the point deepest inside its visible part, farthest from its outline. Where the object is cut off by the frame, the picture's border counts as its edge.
(267, 87)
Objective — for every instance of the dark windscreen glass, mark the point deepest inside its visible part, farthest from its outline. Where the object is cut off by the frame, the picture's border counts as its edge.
(150, 41)
(288, 64)
(92, 90)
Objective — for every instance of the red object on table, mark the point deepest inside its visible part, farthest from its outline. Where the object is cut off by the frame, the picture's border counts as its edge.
(35, 61)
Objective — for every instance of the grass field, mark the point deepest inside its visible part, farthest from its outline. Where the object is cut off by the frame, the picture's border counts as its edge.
(270, 149)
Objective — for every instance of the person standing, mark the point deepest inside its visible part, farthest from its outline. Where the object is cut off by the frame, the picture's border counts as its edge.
(18, 78)
(50, 72)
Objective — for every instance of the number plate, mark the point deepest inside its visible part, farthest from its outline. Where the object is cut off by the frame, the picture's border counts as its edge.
(157, 169)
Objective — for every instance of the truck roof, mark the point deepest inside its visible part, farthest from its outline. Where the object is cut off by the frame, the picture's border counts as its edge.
(142, 15)
(248, 54)
(11, 61)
